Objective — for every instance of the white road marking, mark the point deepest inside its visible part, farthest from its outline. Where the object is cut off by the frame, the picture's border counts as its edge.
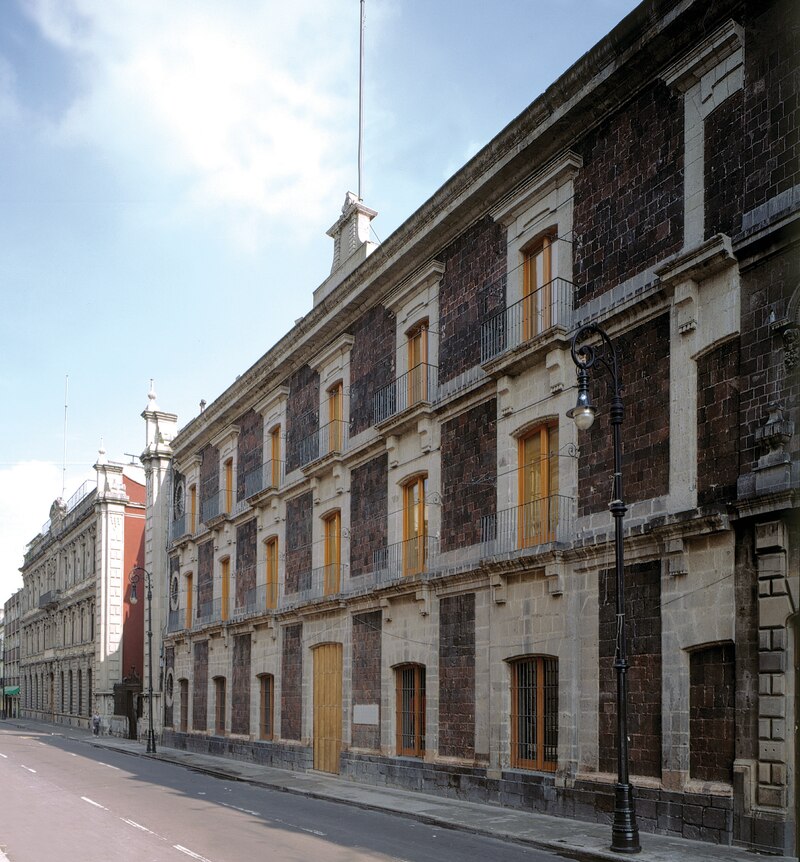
(137, 825)
(109, 766)
(190, 853)
(295, 826)
(28, 768)
(243, 810)
(4, 756)
(92, 802)
(71, 754)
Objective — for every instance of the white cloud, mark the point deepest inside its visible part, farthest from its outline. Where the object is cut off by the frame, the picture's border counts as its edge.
(250, 107)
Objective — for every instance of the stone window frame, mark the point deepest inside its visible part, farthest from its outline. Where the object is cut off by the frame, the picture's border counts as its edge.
(542, 205)
(183, 701)
(544, 713)
(415, 674)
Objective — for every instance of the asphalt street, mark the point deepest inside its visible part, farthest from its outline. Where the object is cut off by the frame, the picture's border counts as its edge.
(66, 801)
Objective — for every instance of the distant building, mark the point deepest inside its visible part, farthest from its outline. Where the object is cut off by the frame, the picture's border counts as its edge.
(11, 687)
(81, 639)
(390, 552)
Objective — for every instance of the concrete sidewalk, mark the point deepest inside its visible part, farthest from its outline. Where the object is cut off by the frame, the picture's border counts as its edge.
(570, 838)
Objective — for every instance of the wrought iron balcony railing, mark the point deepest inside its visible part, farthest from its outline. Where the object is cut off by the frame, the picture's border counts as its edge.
(222, 503)
(529, 526)
(330, 439)
(543, 310)
(317, 583)
(417, 386)
(403, 559)
(267, 476)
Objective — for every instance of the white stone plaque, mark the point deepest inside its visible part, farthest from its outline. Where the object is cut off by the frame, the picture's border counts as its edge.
(365, 713)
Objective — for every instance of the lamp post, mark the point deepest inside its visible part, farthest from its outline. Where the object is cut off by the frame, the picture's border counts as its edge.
(624, 831)
(148, 583)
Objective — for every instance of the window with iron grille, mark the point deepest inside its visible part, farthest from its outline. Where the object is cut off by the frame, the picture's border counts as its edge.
(410, 681)
(183, 684)
(219, 705)
(534, 713)
(267, 706)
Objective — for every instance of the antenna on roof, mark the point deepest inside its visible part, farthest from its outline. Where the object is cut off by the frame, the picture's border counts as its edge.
(361, 99)
(64, 466)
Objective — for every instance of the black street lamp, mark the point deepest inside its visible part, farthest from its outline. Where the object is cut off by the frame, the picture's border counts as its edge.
(624, 831)
(148, 582)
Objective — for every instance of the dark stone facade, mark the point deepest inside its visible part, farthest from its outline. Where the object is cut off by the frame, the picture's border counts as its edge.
(457, 676)
(765, 379)
(472, 289)
(200, 686)
(712, 689)
(369, 506)
(205, 579)
(169, 676)
(469, 474)
(372, 363)
(629, 195)
(246, 551)
(299, 533)
(718, 424)
(209, 474)
(643, 618)
(366, 682)
(644, 363)
(292, 682)
(249, 448)
(724, 180)
(294, 757)
(771, 106)
(302, 414)
(240, 685)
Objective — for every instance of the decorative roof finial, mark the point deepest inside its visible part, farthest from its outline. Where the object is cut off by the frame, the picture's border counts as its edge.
(151, 397)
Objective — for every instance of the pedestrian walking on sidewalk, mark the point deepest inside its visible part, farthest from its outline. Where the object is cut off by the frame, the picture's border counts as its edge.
(96, 724)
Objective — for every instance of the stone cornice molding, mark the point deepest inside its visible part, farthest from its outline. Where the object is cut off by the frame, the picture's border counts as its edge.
(335, 350)
(713, 50)
(699, 263)
(426, 277)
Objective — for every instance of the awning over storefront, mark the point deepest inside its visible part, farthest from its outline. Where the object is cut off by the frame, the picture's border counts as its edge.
(11, 689)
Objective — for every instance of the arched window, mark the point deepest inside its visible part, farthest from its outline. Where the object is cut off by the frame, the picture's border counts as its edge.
(534, 712)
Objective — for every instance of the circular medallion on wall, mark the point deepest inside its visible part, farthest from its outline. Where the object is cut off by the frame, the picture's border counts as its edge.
(168, 687)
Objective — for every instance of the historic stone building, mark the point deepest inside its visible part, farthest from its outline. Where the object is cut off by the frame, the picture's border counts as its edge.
(80, 637)
(11, 687)
(391, 554)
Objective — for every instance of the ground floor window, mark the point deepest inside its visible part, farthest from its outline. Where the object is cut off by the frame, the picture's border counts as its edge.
(184, 701)
(534, 713)
(410, 680)
(219, 705)
(267, 702)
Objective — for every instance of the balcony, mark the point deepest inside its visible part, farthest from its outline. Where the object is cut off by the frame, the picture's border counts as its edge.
(219, 506)
(416, 556)
(323, 446)
(511, 338)
(49, 600)
(406, 397)
(531, 528)
(262, 481)
(319, 583)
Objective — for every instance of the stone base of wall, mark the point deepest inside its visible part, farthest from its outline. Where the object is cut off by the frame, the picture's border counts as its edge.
(281, 755)
(701, 817)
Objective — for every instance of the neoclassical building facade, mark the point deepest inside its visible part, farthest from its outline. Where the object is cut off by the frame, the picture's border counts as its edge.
(81, 639)
(389, 552)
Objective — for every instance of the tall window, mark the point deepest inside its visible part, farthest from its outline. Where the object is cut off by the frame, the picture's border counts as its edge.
(219, 705)
(335, 398)
(534, 713)
(266, 706)
(410, 682)
(71, 695)
(89, 704)
(192, 508)
(189, 599)
(275, 455)
(63, 693)
(538, 313)
(184, 701)
(538, 486)
(229, 486)
(225, 576)
(415, 525)
(333, 553)
(418, 363)
(272, 572)
(79, 710)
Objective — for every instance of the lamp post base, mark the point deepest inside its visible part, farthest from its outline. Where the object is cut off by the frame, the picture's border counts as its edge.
(624, 831)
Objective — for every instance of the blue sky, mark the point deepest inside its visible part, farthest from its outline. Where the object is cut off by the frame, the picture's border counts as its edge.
(168, 169)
